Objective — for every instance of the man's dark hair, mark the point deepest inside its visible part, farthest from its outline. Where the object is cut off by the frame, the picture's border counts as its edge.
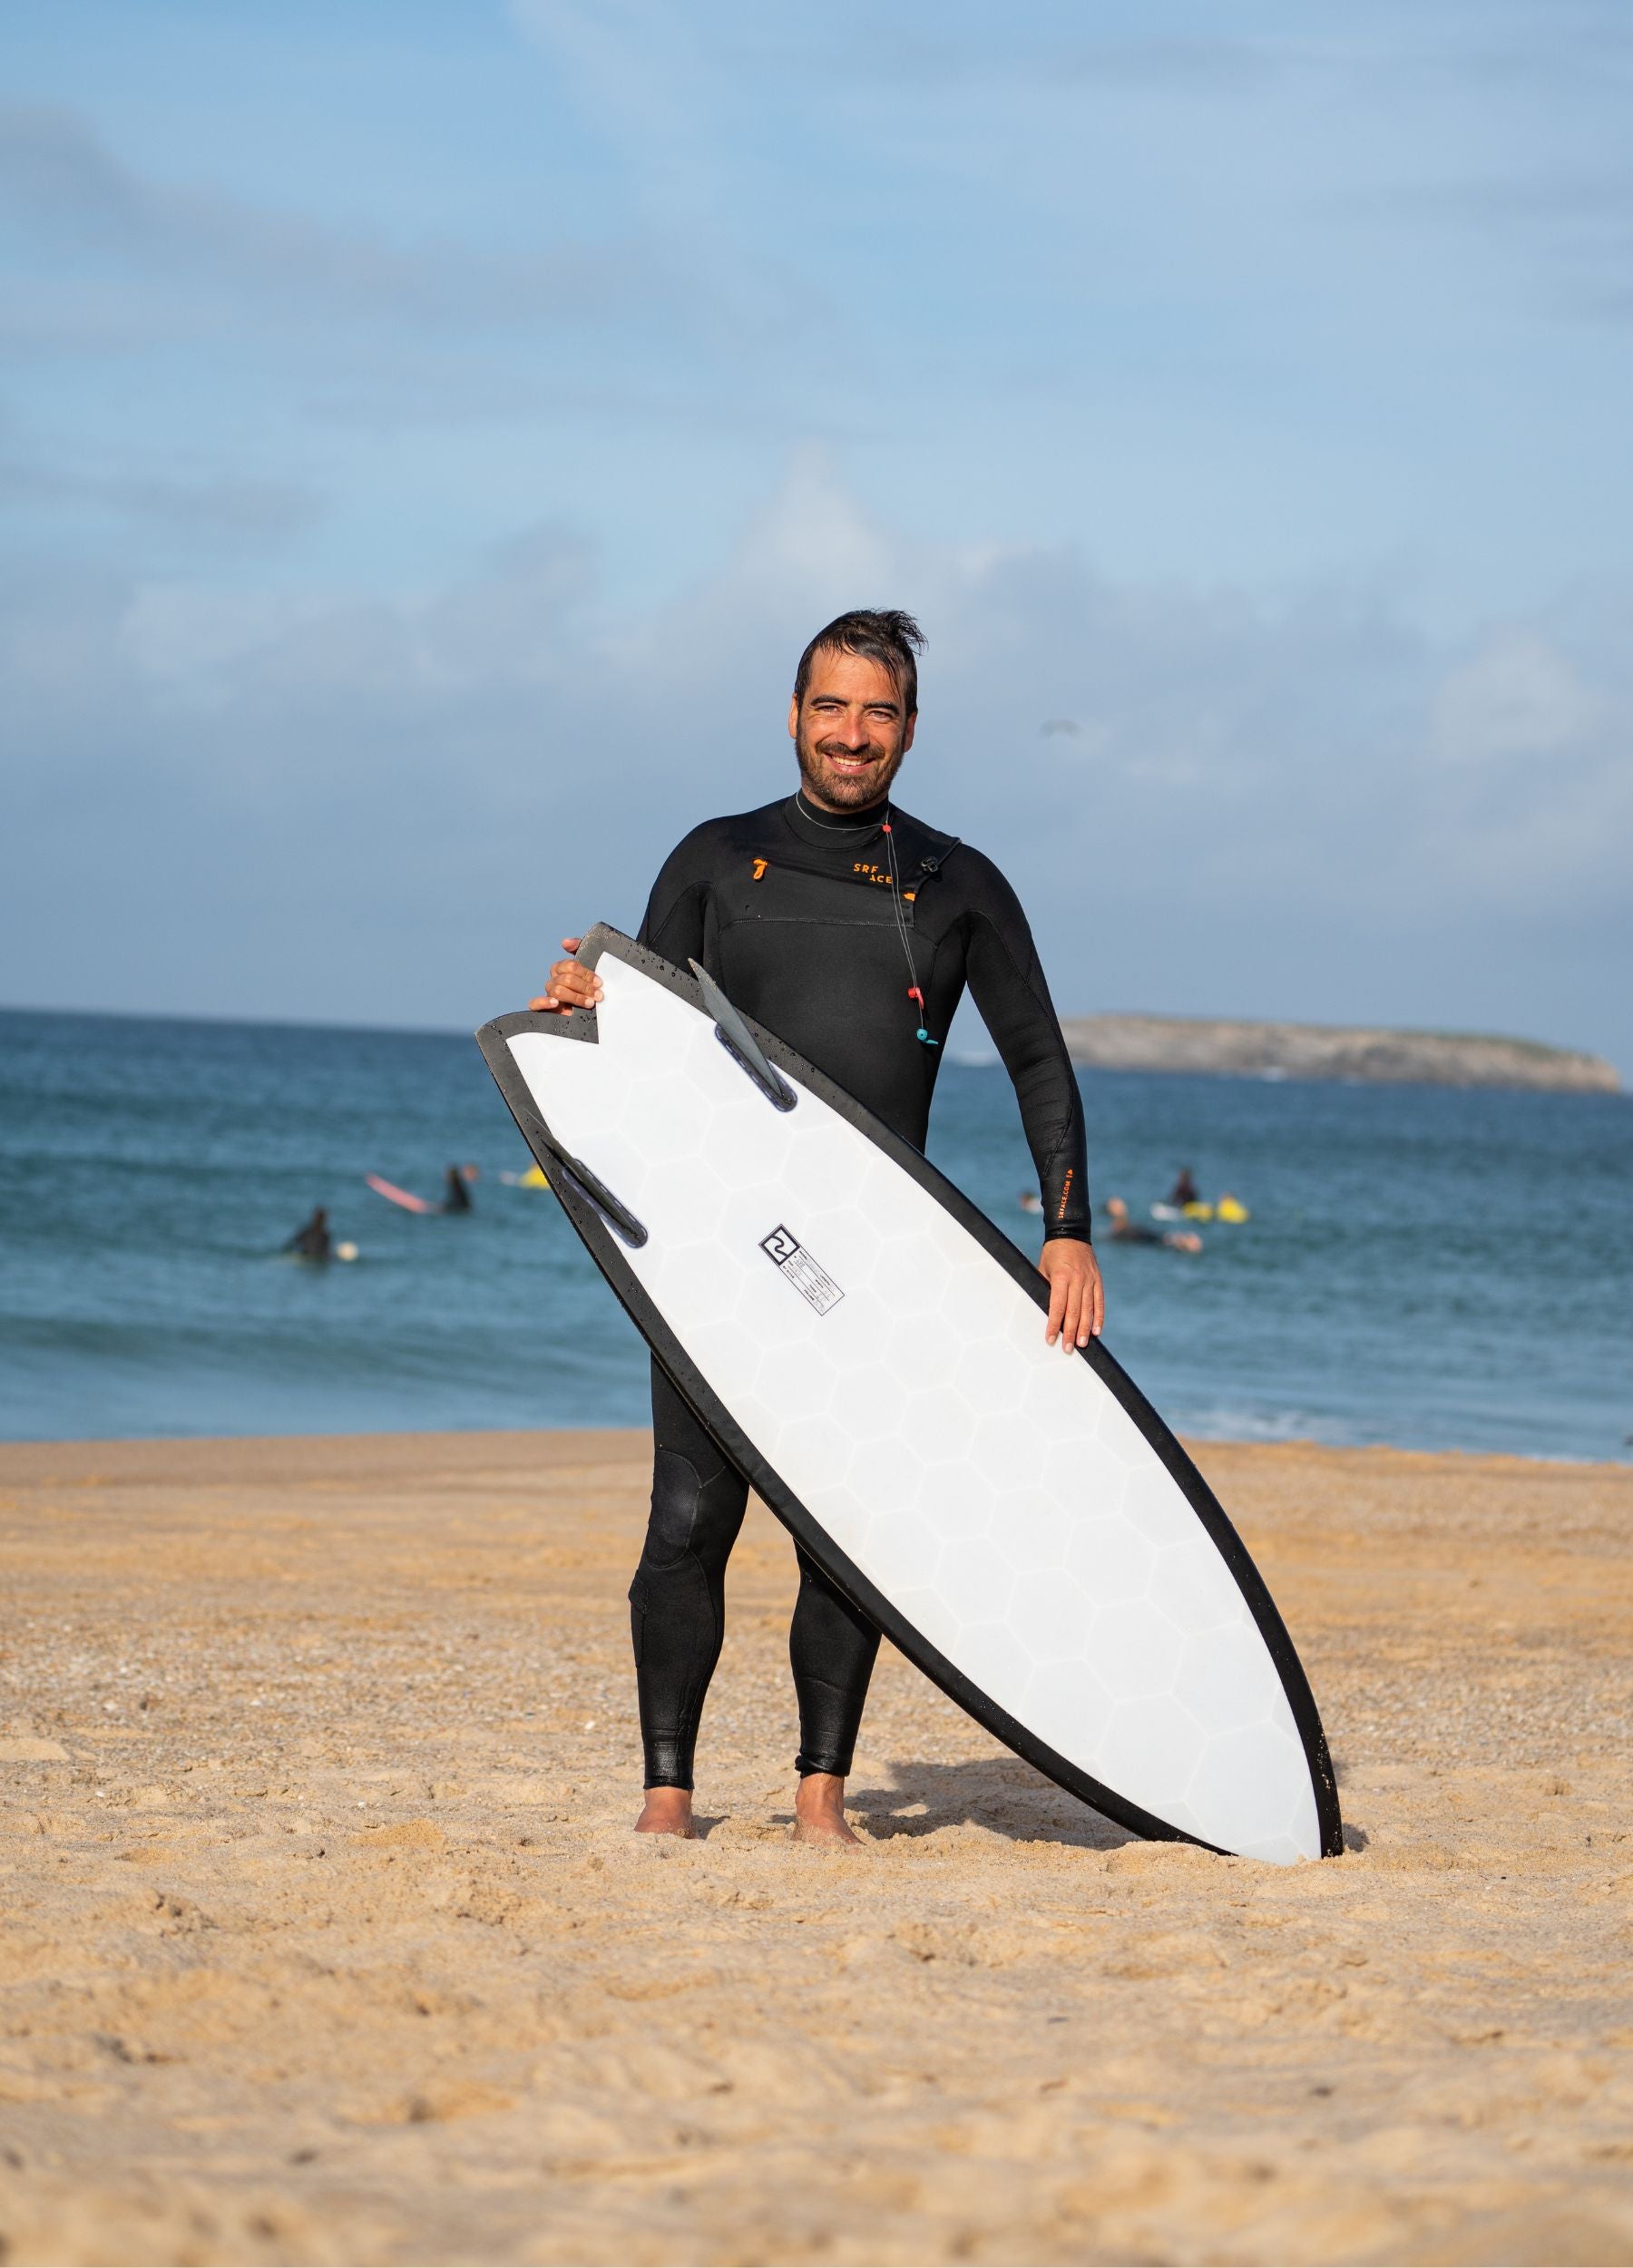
(883, 634)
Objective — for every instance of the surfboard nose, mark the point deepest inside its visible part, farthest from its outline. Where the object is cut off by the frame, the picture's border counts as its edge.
(1060, 1571)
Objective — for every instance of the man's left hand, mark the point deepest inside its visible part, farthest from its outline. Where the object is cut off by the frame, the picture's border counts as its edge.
(1077, 1297)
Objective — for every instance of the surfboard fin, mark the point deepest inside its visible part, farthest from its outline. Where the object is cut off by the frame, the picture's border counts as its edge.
(741, 1045)
(572, 1173)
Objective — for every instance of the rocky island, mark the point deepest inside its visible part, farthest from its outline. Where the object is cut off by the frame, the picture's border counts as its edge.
(1311, 1051)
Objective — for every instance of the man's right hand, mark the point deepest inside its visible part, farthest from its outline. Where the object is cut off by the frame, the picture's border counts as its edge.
(571, 985)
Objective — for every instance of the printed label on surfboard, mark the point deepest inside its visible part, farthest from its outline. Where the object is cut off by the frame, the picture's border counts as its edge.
(811, 1281)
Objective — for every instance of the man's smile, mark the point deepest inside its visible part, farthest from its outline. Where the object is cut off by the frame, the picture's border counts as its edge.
(849, 759)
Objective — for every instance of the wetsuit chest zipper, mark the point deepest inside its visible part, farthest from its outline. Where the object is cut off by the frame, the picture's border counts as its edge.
(807, 895)
(764, 864)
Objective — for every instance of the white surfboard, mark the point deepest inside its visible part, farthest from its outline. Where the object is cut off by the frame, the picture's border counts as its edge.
(869, 1350)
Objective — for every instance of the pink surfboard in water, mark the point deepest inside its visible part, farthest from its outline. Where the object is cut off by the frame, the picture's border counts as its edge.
(405, 1197)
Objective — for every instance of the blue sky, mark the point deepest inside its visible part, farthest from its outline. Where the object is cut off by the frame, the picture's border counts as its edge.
(428, 432)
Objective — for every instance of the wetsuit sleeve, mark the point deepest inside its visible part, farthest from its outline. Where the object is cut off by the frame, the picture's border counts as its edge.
(1006, 982)
(676, 920)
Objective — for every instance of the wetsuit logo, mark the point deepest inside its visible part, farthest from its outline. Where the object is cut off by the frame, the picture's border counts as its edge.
(794, 1265)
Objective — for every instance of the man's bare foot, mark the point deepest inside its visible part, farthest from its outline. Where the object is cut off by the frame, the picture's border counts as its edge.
(667, 1811)
(819, 1810)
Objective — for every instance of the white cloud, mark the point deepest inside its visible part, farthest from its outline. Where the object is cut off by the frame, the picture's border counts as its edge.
(1303, 809)
(173, 252)
(1517, 695)
(184, 638)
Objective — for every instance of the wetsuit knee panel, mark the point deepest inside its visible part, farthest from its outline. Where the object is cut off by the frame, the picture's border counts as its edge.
(691, 1513)
(676, 1503)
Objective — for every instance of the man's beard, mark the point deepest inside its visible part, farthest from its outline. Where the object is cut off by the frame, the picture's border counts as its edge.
(844, 791)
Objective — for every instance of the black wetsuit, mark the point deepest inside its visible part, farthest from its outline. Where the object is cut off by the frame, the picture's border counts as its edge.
(311, 1240)
(795, 913)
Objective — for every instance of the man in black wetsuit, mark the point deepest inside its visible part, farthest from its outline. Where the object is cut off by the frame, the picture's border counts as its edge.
(851, 930)
(311, 1240)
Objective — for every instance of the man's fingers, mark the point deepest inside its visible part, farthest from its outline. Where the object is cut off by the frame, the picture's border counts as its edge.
(1074, 1300)
(560, 1001)
(1057, 1310)
(569, 985)
(571, 981)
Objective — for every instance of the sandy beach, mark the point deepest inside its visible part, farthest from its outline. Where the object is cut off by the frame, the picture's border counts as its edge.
(326, 1939)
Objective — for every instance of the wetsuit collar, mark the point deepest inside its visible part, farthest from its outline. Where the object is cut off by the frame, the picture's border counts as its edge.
(816, 827)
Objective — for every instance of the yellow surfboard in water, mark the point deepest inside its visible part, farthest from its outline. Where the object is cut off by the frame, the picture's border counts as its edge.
(1228, 1208)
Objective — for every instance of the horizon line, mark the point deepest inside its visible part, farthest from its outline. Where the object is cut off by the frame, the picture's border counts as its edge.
(963, 1058)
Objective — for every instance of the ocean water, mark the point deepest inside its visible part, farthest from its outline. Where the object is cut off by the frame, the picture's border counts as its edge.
(1434, 1268)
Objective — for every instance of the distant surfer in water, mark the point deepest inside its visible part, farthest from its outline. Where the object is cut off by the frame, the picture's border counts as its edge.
(456, 1190)
(852, 930)
(1184, 1191)
(1124, 1230)
(311, 1239)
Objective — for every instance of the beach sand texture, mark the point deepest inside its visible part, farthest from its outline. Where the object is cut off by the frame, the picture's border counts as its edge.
(325, 1938)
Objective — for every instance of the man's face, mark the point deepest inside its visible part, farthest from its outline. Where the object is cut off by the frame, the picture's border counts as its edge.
(850, 732)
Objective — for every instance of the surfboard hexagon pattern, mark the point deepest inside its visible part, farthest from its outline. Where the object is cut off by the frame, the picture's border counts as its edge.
(872, 1352)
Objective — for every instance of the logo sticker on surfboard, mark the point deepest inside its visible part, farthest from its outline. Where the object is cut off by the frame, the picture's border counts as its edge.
(796, 1265)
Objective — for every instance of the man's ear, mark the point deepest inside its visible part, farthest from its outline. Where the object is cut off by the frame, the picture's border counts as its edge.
(794, 716)
(907, 732)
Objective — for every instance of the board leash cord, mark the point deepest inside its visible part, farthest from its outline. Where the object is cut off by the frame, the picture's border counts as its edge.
(914, 992)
